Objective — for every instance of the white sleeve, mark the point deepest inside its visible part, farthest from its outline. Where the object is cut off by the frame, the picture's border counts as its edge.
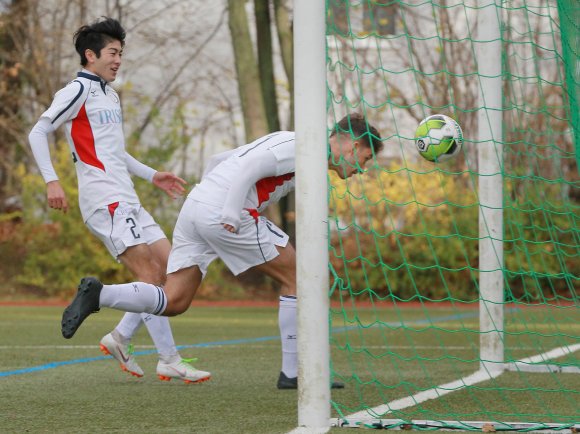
(249, 171)
(66, 104)
(38, 139)
(139, 169)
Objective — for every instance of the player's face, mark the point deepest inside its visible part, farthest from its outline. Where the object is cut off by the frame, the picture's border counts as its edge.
(355, 159)
(108, 63)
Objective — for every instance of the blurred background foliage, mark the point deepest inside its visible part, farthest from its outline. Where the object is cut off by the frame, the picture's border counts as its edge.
(404, 229)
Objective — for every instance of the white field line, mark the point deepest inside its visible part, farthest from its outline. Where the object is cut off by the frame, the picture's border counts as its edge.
(454, 386)
(435, 392)
(552, 354)
(539, 362)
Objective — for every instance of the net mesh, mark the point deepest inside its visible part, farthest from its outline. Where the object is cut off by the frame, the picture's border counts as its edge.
(404, 236)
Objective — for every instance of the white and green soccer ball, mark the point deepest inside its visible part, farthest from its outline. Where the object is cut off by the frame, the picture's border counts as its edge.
(438, 138)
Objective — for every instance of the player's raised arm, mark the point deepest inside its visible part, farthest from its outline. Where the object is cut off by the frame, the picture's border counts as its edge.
(169, 183)
(135, 167)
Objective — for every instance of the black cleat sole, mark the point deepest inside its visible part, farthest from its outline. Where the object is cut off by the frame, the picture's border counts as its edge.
(85, 302)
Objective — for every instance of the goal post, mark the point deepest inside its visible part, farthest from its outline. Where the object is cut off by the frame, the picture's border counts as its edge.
(311, 214)
(490, 156)
(445, 292)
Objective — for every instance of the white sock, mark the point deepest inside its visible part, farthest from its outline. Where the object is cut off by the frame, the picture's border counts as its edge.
(160, 331)
(288, 331)
(127, 327)
(135, 297)
(120, 338)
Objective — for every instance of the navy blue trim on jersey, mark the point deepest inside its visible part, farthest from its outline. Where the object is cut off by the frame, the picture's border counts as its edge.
(94, 78)
(72, 102)
(88, 76)
(281, 143)
(258, 144)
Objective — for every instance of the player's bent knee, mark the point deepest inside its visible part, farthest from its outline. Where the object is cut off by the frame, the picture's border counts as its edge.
(153, 274)
(180, 288)
(177, 305)
(170, 311)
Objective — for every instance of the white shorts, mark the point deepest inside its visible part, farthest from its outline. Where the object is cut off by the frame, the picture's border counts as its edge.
(199, 238)
(122, 225)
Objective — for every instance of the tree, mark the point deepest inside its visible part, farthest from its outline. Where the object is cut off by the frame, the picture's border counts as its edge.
(256, 76)
(248, 73)
(11, 94)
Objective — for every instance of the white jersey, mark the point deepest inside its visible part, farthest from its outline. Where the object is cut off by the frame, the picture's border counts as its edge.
(91, 112)
(250, 177)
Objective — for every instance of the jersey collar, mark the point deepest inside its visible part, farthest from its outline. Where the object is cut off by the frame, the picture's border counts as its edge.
(88, 75)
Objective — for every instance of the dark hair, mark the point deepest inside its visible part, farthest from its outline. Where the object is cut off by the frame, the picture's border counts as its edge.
(95, 36)
(359, 128)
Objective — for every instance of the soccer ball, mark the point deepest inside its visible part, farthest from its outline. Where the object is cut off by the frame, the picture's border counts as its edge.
(438, 138)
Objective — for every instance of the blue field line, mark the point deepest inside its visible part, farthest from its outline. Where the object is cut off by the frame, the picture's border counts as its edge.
(137, 353)
(54, 365)
(51, 366)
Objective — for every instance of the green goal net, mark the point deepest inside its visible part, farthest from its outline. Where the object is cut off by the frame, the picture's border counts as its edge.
(421, 336)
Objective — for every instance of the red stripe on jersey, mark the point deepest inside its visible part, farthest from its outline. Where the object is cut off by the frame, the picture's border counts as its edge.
(84, 141)
(112, 208)
(254, 213)
(266, 186)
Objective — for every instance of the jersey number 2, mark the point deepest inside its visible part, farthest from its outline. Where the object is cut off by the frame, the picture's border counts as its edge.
(132, 222)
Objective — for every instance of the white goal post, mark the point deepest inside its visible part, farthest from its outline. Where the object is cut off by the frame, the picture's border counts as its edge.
(311, 214)
(489, 147)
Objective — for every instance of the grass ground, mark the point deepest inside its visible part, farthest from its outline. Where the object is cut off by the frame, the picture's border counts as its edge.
(48, 384)
(74, 389)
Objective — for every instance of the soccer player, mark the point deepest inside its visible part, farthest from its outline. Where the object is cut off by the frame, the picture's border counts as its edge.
(221, 218)
(90, 110)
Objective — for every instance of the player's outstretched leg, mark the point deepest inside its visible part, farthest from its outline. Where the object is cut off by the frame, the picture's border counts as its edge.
(85, 303)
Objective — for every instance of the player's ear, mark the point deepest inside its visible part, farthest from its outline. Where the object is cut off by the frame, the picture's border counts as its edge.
(90, 55)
